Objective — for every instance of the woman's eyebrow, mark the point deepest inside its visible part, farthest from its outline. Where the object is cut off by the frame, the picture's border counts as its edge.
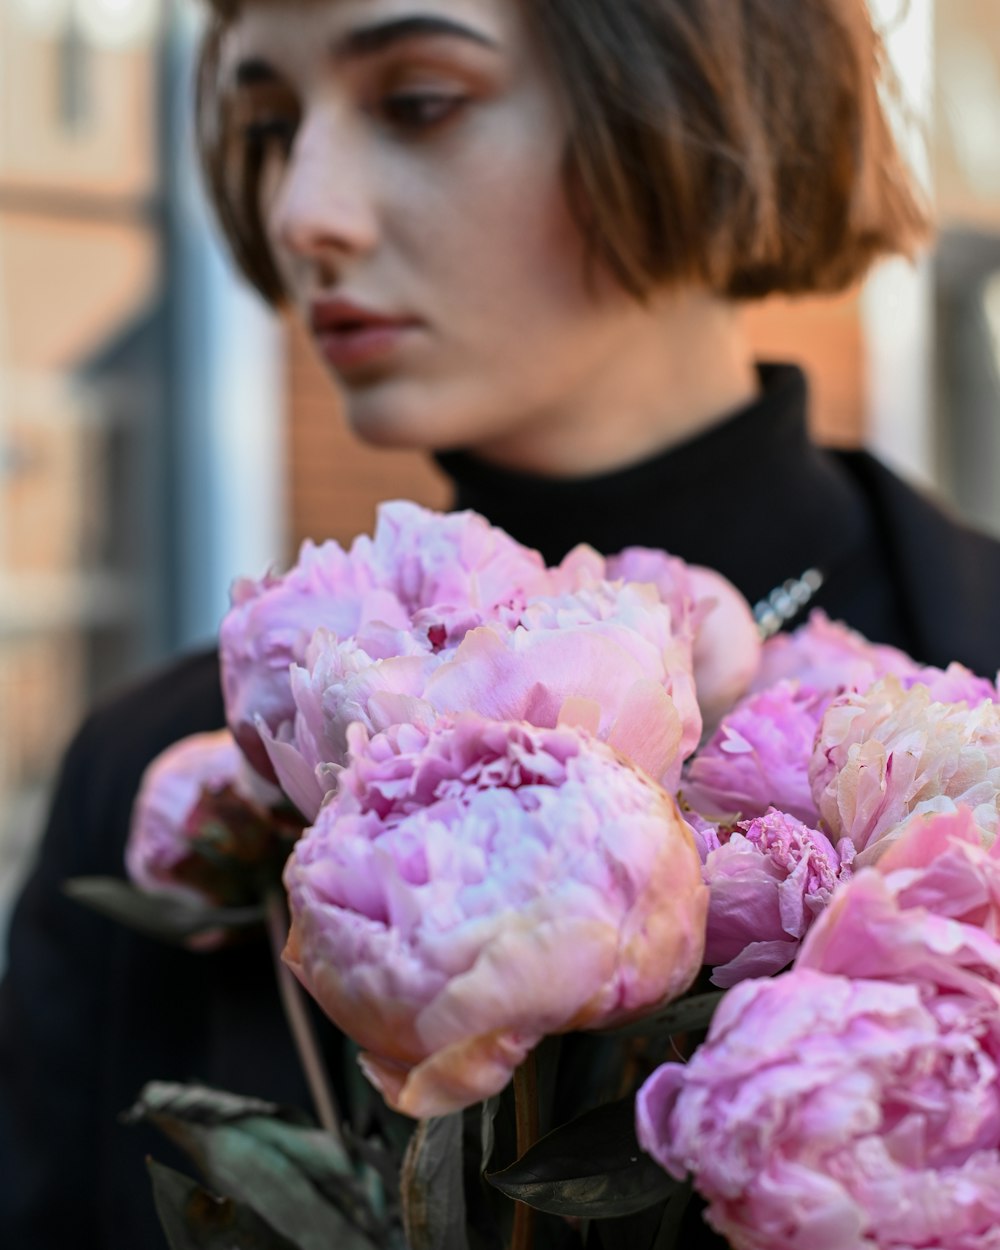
(368, 40)
(253, 70)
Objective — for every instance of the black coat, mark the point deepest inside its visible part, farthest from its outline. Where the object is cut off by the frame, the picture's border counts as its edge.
(90, 1011)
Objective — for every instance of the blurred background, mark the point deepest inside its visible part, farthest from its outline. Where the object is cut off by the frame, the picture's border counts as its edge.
(160, 432)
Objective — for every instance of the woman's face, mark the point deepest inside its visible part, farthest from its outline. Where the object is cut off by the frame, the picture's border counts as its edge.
(413, 196)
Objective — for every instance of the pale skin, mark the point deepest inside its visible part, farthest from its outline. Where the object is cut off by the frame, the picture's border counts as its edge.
(413, 166)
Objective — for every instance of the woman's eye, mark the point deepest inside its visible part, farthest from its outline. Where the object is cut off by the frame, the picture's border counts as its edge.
(415, 111)
(267, 132)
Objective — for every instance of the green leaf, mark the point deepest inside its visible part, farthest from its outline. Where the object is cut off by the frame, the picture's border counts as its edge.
(379, 1171)
(168, 917)
(668, 1237)
(203, 1104)
(591, 1168)
(684, 1015)
(194, 1219)
(295, 1176)
(498, 1131)
(487, 1130)
(432, 1186)
(548, 1064)
(370, 1114)
(488, 1214)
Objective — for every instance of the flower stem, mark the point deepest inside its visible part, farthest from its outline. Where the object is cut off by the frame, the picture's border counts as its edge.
(303, 1033)
(526, 1119)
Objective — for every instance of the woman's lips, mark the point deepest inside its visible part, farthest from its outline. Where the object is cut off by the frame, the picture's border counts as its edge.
(354, 346)
(351, 336)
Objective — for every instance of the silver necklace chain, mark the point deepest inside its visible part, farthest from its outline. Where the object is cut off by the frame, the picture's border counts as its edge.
(786, 601)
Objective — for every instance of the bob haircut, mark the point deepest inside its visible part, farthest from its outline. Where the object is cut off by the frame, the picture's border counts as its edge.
(740, 145)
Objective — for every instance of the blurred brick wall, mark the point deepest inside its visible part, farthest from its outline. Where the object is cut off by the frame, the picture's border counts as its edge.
(79, 267)
(335, 482)
(825, 336)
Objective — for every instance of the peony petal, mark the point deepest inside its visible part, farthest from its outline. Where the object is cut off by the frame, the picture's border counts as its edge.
(647, 731)
(464, 1073)
(294, 774)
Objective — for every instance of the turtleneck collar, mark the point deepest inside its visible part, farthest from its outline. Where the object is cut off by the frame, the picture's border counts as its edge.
(751, 497)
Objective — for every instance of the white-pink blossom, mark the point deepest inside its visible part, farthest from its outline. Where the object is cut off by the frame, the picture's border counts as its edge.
(706, 608)
(886, 754)
(472, 889)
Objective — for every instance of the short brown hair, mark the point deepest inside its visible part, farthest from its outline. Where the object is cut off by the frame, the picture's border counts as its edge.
(738, 144)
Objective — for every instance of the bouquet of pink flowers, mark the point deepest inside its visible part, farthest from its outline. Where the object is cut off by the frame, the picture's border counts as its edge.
(533, 826)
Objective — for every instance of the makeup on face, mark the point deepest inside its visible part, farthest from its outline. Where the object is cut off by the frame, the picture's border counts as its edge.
(411, 162)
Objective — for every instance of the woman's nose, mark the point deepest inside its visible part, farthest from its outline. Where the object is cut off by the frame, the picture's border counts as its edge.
(324, 208)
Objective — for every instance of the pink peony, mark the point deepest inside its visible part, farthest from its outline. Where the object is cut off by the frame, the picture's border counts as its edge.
(762, 751)
(854, 1103)
(706, 608)
(825, 1113)
(886, 754)
(450, 565)
(759, 756)
(826, 655)
(939, 863)
(183, 794)
(340, 683)
(708, 835)
(270, 623)
(604, 658)
(470, 890)
(954, 684)
(424, 578)
(936, 881)
(423, 585)
(768, 881)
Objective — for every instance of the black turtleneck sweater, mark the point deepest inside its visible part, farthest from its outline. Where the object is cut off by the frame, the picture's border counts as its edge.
(751, 497)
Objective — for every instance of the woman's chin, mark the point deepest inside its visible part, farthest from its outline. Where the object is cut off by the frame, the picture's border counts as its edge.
(399, 413)
(389, 428)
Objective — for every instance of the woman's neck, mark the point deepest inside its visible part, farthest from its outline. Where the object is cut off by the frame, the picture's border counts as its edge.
(682, 365)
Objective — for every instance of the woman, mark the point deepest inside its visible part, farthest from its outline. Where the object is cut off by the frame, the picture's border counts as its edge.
(518, 232)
